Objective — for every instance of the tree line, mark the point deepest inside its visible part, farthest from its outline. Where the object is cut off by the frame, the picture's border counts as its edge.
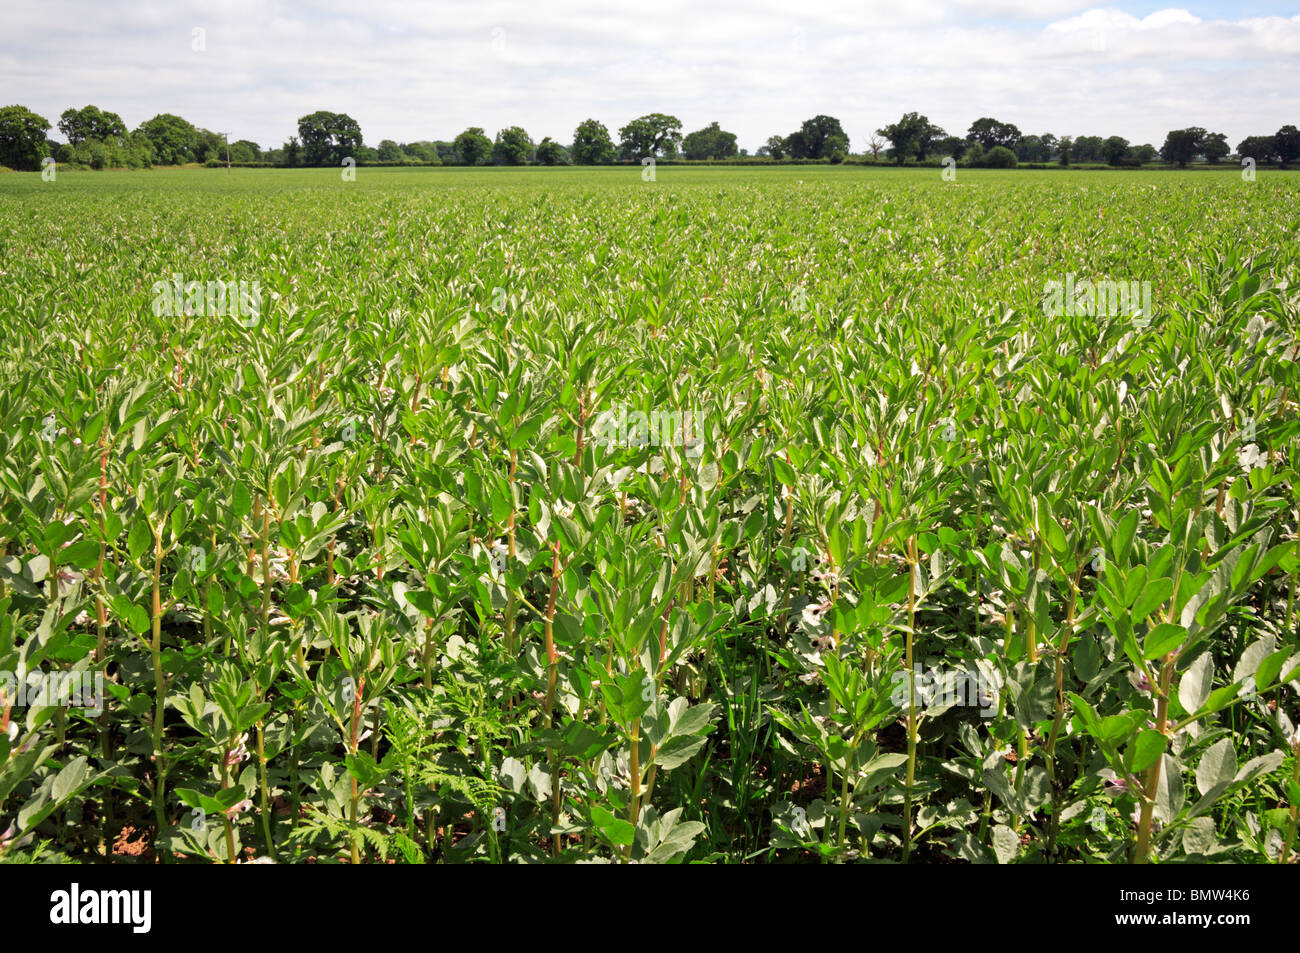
(99, 139)
(990, 142)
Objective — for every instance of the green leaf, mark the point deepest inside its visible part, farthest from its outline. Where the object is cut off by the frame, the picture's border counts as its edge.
(1152, 597)
(677, 842)
(83, 554)
(1217, 768)
(251, 715)
(1006, 844)
(618, 831)
(1222, 697)
(677, 750)
(1194, 686)
(137, 541)
(1115, 728)
(1146, 749)
(1162, 640)
(241, 501)
(70, 778)
(1270, 668)
(784, 472)
(137, 619)
(1200, 837)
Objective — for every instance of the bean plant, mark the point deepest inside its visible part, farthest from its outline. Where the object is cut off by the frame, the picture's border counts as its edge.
(727, 517)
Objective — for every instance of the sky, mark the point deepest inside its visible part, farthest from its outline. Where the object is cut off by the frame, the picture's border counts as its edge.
(413, 70)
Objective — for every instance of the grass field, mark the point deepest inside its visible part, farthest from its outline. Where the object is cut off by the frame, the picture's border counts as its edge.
(554, 515)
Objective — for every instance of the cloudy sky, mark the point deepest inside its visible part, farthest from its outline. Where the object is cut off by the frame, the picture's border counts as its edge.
(410, 69)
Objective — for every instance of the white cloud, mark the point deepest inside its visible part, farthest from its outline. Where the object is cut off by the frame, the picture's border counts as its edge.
(417, 70)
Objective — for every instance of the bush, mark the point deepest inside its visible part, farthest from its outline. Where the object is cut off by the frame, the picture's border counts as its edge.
(1000, 157)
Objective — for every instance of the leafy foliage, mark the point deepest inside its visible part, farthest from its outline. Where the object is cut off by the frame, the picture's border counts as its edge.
(573, 517)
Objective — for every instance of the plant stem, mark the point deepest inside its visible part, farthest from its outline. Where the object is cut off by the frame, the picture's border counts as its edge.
(634, 779)
(356, 795)
(844, 798)
(512, 600)
(225, 784)
(1151, 786)
(552, 677)
(160, 700)
(911, 700)
(1050, 750)
(265, 792)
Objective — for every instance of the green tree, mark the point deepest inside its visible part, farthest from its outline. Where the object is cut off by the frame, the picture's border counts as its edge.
(172, 138)
(314, 131)
(246, 147)
(913, 135)
(78, 125)
(837, 149)
(1143, 154)
(654, 134)
(1215, 147)
(389, 151)
(1183, 145)
(425, 153)
(513, 147)
(328, 138)
(953, 146)
(141, 148)
(592, 144)
(989, 132)
(245, 150)
(1260, 148)
(473, 146)
(775, 147)
(812, 139)
(1088, 149)
(1064, 150)
(292, 152)
(1286, 144)
(208, 145)
(1114, 150)
(711, 142)
(550, 152)
(22, 138)
(1032, 149)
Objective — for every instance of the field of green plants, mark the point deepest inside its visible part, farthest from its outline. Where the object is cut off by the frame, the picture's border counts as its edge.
(562, 516)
